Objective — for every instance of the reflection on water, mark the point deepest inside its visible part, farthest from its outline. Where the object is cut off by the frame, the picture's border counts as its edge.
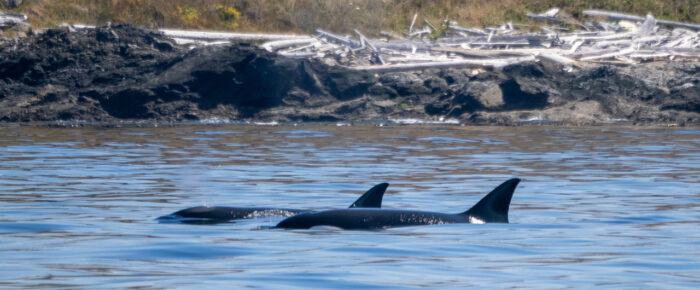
(598, 206)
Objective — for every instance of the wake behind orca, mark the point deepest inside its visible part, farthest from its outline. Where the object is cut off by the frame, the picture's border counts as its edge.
(493, 208)
(221, 214)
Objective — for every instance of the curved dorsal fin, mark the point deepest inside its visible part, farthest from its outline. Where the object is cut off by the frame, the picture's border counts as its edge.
(493, 208)
(371, 198)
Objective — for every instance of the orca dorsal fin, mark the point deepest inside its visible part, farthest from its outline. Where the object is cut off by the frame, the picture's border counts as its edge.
(371, 198)
(493, 208)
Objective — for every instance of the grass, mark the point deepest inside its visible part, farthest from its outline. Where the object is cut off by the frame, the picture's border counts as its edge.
(370, 16)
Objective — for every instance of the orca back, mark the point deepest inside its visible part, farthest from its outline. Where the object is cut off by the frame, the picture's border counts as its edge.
(219, 214)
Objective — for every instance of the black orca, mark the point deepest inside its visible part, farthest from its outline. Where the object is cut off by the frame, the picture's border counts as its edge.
(493, 208)
(221, 214)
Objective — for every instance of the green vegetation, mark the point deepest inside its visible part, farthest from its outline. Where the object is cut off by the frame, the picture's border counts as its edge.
(189, 16)
(340, 16)
(229, 16)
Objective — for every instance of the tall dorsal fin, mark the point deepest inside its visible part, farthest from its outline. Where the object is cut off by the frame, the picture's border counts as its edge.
(493, 208)
(371, 198)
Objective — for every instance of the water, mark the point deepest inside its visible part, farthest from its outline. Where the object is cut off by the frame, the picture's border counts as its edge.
(598, 206)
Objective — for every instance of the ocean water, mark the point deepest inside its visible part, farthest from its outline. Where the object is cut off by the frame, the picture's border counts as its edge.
(609, 206)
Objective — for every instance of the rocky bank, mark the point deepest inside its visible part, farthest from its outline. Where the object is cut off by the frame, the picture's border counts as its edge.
(120, 72)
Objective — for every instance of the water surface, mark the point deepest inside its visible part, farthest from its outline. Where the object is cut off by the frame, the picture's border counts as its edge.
(598, 206)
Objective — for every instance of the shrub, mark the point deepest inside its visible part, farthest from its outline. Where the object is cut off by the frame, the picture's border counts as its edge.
(228, 15)
(188, 15)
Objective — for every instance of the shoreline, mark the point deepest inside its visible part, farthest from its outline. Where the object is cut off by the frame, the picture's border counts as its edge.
(216, 122)
(120, 73)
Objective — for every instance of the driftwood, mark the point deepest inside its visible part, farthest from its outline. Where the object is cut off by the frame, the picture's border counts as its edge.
(496, 47)
(390, 35)
(404, 46)
(549, 16)
(342, 40)
(413, 22)
(216, 37)
(496, 40)
(455, 46)
(494, 63)
(474, 31)
(635, 18)
(281, 44)
(480, 53)
(558, 58)
(557, 16)
(366, 43)
(424, 31)
(609, 55)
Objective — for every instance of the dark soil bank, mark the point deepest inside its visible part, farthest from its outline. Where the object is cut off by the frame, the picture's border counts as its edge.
(120, 72)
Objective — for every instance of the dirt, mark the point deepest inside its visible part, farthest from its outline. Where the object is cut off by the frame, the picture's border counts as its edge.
(119, 72)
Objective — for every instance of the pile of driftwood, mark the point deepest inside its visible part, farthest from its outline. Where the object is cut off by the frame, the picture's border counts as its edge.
(624, 39)
(629, 39)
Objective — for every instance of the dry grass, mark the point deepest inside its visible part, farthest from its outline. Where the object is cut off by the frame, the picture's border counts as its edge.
(486, 12)
(334, 15)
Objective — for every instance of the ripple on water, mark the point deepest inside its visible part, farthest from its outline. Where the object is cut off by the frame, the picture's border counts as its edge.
(615, 207)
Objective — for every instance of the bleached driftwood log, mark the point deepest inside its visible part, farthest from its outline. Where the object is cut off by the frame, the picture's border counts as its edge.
(419, 33)
(630, 17)
(390, 35)
(282, 44)
(532, 39)
(220, 35)
(558, 58)
(413, 22)
(404, 45)
(609, 55)
(342, 40)
(480, 53)
(495, 63)
(474, 31)
(549, 16)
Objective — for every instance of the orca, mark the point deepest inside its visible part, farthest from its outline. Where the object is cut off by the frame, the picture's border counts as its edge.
(493, 208)
(221, 214)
